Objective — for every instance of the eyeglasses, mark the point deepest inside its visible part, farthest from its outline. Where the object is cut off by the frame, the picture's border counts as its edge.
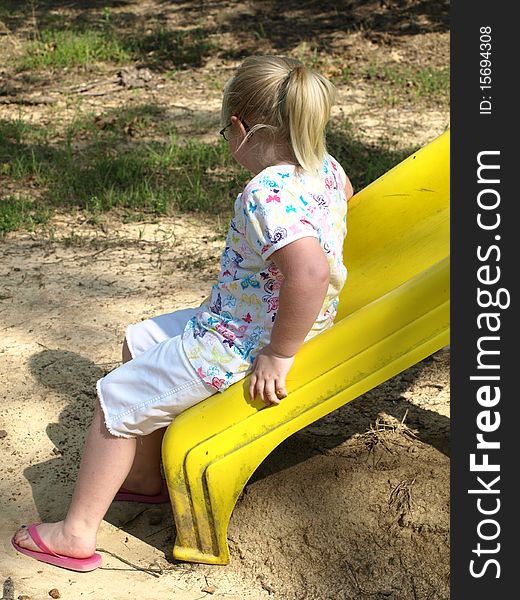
(223, 131)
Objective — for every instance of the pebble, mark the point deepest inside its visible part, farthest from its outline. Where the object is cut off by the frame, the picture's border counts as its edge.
(210, 589)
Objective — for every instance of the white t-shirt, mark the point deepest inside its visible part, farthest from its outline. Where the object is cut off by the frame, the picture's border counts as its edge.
(275, 208)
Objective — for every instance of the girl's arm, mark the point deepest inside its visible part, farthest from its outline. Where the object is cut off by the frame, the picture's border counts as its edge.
(306, 280)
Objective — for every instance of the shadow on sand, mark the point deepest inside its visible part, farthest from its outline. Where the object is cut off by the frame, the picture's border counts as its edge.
(74, 378)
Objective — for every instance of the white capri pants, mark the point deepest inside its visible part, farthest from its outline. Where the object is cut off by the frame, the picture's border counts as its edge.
(149, 391)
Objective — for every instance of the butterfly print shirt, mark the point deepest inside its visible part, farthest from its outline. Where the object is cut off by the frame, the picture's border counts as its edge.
(276, 208)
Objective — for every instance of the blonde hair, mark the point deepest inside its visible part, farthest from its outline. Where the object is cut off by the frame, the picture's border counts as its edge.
(283, 96)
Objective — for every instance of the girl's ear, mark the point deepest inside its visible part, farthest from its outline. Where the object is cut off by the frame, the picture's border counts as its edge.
(237, 123)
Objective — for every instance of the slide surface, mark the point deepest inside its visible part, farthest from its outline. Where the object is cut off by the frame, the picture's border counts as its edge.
(393, 312)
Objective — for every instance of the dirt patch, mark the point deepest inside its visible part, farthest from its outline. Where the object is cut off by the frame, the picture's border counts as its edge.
(354, 506)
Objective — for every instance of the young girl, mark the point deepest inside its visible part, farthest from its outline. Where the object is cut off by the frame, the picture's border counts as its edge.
(281, 273)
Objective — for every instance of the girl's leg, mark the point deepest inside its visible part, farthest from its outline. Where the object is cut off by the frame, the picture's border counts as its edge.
(106, 461)
(145, 475)
(126, 352)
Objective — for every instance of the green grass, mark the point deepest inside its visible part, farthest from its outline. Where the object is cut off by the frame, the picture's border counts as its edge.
(179, 49)
(84, 46)
(21, 213)
(95, 170)
(345, 76)
(72, 49)
(402, 82)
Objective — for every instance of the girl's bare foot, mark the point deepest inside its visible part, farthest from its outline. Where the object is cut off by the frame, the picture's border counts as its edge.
(56, 537)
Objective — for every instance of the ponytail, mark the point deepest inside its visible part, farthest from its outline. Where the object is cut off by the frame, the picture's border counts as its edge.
(281, 96)
(306, 107)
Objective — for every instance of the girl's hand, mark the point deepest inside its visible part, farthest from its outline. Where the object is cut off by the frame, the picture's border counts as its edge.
(268, 376)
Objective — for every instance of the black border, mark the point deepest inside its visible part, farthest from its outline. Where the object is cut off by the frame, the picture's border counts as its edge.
(471, 133)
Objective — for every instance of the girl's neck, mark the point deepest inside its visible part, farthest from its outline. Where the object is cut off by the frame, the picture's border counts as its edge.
(258, 150)
(271, 157)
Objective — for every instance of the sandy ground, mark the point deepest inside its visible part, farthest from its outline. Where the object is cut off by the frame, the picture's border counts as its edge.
(355, 506)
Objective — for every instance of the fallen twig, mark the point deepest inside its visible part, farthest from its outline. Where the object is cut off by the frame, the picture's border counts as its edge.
(59, 260)
(82, 87)
(117, 88)
(156, 532)
(153, 572)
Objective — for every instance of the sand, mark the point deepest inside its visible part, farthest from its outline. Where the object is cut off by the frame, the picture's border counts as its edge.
(356, 505)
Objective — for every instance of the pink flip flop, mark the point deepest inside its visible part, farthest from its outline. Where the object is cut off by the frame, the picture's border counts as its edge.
(127, 496)
(48, 556)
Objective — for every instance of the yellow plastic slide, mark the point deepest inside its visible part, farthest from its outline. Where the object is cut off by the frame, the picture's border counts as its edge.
(393, 312)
